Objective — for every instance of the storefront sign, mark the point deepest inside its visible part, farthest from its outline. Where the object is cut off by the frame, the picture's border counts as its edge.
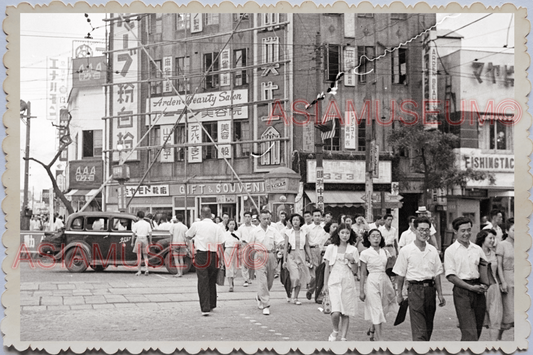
(125, 99)
(167, 72)
(222, 188)
(348, 172)
(349, 64)
(225, 65)
(31, 240)
(350, 131)
(57, 91)
(195, 136)
(89, 72)
(167, 155)
(211, 103)
(477, 160)
(85, 174)
(281, 185)
(227, 199)
(224, 136)
(148, 190)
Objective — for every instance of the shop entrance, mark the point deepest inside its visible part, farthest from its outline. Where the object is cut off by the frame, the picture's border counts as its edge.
(230, 209)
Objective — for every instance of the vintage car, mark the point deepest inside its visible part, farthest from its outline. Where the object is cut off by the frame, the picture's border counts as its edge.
(101, 239)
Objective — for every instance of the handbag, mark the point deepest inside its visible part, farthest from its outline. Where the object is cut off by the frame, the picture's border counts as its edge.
(390, 265)
(485, 273)
(326, 304)
(221, 276)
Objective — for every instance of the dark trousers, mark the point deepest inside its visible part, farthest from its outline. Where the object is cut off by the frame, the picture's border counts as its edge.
(422, 307)
(206, 270)
(319, 273)
(470, 308)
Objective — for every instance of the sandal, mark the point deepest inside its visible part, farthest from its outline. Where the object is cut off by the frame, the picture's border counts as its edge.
(333, 336)
(296, 302)
(138, 273)
(343, 339)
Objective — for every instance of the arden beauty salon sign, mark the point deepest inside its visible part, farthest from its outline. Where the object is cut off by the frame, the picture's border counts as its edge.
(214, 106)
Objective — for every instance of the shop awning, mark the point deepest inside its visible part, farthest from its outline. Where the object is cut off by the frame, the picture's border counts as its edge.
(76, 193)
(339, 198)
(91, 193)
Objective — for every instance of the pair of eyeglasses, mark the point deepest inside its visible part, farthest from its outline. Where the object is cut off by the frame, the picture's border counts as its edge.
(424, 230)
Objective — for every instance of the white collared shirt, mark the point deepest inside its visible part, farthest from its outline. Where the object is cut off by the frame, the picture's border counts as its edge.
(389, 235)
(417, 265)
(317, 236)
(207, 235)
(246, 232)
(178, 230)
(407, 237)
(266, 240)
(291, 235)
(141, 228)
(463, 262)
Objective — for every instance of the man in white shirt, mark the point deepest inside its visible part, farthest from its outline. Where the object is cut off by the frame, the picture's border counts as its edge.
(207, 238)
(317, 237)
(265, 239)
(420, 265)
(308, 218)
(247, 268)
(409, 235)
(377, 223)
(423, 212)
(496, 218)
(280, 225)
(179, 247)
(328, 217)
(461, 261)
(390, 234)
(224, 222)
(142, 230)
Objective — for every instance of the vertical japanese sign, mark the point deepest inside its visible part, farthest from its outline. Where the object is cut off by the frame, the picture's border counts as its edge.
(349, 64)
(196, 23)
(374, 159)
(350, 131)
(194, 136)
(308, 137)
(320, 188)
(224, 136)
(430, 80)
(167, 72)
(225, 65)
(56, 82)
(167, 155)
(125, 99)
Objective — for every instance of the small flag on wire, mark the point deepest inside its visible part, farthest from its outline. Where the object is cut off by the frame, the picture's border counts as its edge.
(327, 128)
(319, 97)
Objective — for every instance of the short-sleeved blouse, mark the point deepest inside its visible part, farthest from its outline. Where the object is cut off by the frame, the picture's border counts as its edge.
(506, 250)
(375, 262)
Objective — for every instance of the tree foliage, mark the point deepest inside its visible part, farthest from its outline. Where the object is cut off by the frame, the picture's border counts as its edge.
(431, 154)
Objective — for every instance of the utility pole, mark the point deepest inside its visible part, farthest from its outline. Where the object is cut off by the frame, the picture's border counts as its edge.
(319, 184)
(25, 107)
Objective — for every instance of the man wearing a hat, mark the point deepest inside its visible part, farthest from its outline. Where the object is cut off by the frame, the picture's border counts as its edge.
(423, 212)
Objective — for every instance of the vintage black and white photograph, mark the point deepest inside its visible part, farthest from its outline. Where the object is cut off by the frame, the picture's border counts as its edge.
(215, 176)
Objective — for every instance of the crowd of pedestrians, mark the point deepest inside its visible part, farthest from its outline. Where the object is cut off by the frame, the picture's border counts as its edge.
(333, 259)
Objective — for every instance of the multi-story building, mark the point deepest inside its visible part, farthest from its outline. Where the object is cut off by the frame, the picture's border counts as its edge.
(250, 77)
(477, 91)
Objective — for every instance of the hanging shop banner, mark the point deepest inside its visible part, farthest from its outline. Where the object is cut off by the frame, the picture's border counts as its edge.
(224, 136)
(225, 65)
(194, 135)
(167, 72)
(167, 155)
(85, 174)
(56, 86)
(349, 64)
(125, 98)
(213, 106)
(196, 23)
(350, 131)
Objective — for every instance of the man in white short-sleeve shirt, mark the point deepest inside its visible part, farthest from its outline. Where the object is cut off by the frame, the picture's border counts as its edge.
(461, 261)
(142, 230)
(419, 264)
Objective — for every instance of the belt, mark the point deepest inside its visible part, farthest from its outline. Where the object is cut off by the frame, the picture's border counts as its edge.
(425, 283)
(313, 246)
(472, 282)
(389, 245)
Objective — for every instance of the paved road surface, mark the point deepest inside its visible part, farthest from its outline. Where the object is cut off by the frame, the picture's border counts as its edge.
(116, 305)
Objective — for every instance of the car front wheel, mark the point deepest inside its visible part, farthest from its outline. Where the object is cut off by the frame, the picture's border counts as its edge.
(170, 264)
(76, 260)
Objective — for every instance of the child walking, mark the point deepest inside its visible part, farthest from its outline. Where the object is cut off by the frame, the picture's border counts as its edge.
(341, 259)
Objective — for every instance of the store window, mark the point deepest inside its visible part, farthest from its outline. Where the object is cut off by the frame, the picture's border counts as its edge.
(495, 135)
(398, 16)
(210, 151)
(242, 133)
(180, 138)
(182, 69)
(211, 63)
(156, 86)
(399, 66)
(331, 139)
(241, 76)
(333, 61)
(270, 18)
(364, 53)
(238, 16)
(211, 19)
(92, 143)
(155, 23)
(183, 21)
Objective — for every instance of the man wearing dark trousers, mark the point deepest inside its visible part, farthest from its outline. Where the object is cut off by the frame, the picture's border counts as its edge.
(207, 237)
(461, 261)
(419, 263)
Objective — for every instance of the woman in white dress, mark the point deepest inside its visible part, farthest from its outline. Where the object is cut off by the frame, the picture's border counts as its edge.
(376, 289)
(232, 243)
(296, 255)
(341, 260)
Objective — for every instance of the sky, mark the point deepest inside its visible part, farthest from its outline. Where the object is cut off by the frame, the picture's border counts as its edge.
(51, 35)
